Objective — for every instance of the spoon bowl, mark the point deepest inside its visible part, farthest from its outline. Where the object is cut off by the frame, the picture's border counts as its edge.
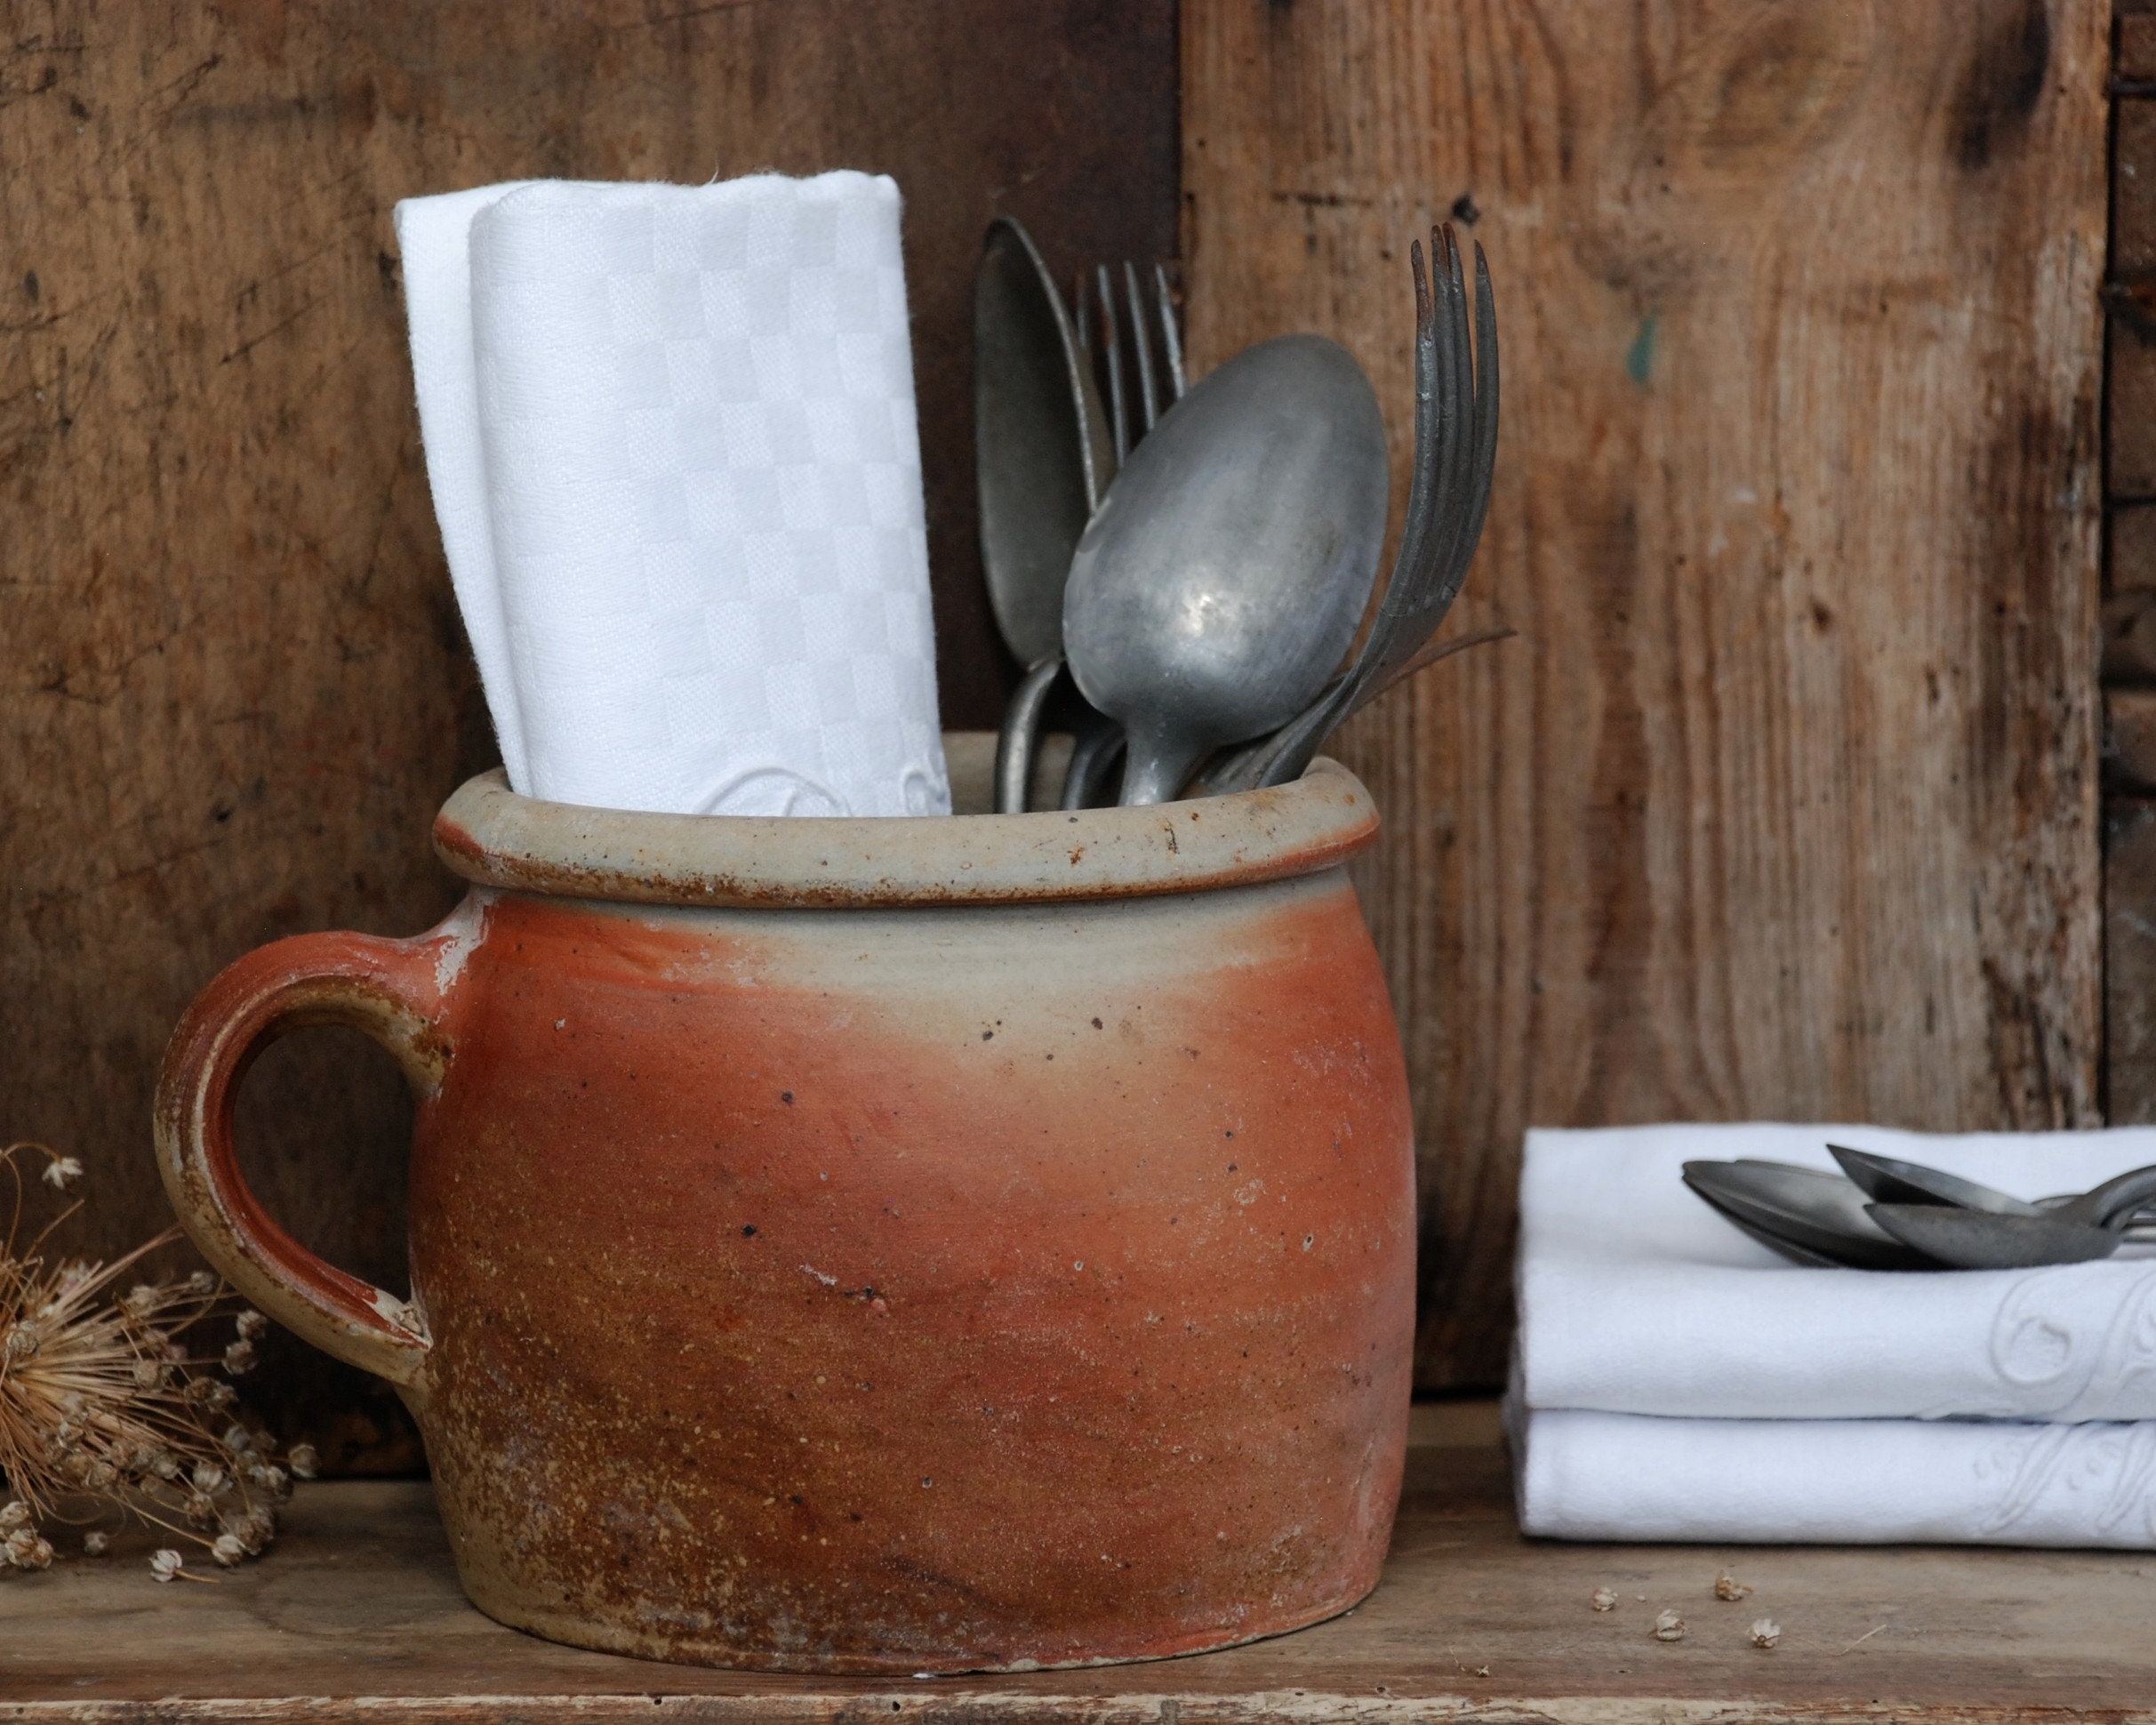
(1221, 580)
(1979, 1239)
(1822, 1213)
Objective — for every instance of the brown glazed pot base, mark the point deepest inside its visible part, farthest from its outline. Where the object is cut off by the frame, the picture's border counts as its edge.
(992, 1250)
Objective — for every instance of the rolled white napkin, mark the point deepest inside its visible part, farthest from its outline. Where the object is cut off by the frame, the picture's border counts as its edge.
(1632, 1477)
(694, 414)
(1636, 1298)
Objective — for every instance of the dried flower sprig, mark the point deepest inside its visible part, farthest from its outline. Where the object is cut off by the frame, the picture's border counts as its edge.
(107, 1402)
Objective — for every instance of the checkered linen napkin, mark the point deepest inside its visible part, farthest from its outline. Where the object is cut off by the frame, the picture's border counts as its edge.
(698, 565)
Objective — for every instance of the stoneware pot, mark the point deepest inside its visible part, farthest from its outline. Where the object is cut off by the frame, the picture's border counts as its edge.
(873, 1245)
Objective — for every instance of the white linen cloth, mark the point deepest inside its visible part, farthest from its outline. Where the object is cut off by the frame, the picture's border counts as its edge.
(1674, 1380)
(1630, 1476)
(1636, 1298)
(670, 433)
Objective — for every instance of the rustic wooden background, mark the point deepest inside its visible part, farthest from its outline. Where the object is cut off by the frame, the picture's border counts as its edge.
(233, 685)
(1783, 803)
(2130, 607)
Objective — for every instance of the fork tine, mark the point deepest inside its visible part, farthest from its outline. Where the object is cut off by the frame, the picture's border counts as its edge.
(1146, 401)
(1111, 340)
(1458, 477)
(1171, 337)
(1486, 420)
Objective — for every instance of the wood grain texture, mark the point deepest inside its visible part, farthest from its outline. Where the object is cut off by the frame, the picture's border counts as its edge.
(2130, 417)
(2133, 550)
(2129, 738)
(354, 1615)
(233, 686)
(2129, 960)
(1784, 804)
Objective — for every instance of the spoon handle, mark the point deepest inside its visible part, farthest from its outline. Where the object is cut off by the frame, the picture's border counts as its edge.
(1020, 725)
(2116, 1200)
(1157, 767)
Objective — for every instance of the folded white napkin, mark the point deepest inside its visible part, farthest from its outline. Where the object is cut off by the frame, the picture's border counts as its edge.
(1628, 1476)
(1636, 1298)
(671, 437)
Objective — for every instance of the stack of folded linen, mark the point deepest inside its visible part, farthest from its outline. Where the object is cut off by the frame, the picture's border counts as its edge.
(670, 434)
(1676, 1381)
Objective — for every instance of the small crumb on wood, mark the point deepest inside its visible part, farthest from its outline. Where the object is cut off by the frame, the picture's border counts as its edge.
(1726, 1586)
(1668, 1626)
(1604, 1599)
(1764, 1632)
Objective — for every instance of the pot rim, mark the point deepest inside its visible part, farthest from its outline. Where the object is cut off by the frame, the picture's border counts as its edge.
(494, 837)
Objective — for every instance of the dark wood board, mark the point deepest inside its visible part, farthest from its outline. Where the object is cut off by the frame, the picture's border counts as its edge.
(233, 685)
(355, 1615)
(2129, 960)
(1785, 803)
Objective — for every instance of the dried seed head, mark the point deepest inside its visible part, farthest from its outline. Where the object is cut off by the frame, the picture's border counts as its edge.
(211, 1480)
(165, 1464)
(251, 1325)
(101, 1475)
(227, 1550)
(199, 1509)
(62, 1171)
(221, 1396)
(96, 1544)
(269, 1478)
(1668, 1626)
(237, 1439)
(1604, 1599)
(166, 1564)
(201, 1283)
(141, 1300)
(1766, 1633)
(239, 1358)
(150, 1375)
(22, 1344)
(16, 1514)
(1726, 1586)
(255, 1529)
(302, 1460)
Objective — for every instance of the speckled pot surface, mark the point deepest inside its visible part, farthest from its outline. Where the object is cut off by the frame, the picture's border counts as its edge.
(874, 1246)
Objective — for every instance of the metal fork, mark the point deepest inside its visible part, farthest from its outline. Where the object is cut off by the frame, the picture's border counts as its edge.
(1131, 412)
(1134, 398)
(1455, 450)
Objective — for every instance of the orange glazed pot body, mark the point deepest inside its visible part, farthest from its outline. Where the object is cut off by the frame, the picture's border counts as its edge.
(920, 1259)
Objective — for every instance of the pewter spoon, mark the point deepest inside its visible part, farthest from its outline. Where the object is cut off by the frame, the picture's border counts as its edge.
(2086, 1227)
(1225, 572)
(1819, 1212)
(1892, 1181)
(1042, 462)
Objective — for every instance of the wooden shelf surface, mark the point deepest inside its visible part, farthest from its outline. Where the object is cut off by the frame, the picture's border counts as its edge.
(355, 1614)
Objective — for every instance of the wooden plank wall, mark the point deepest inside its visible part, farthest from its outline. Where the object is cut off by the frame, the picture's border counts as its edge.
(233, 686)
(2129, 604)
(1784, 802)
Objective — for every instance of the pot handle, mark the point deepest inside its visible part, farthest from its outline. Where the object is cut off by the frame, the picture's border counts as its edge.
(386, 988)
